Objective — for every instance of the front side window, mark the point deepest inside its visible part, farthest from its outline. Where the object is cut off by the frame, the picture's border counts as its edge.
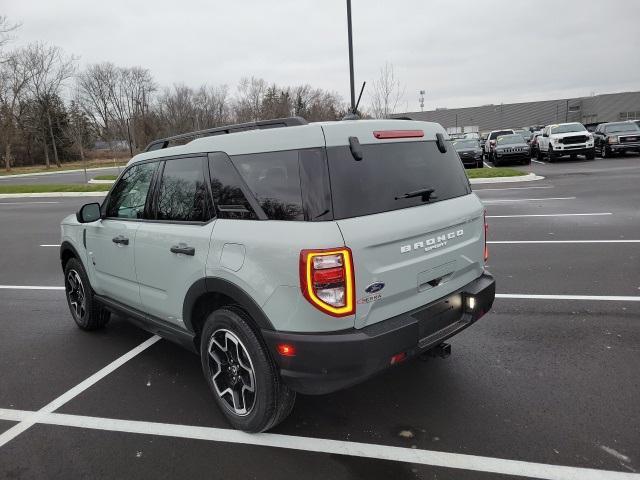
(183, 192)
(274, 180)
(129, 195)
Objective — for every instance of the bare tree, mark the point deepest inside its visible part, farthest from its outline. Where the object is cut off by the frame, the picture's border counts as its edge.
(387, 93)
(51, 69)
(95, 85)
(6, 30)
(15, 75)
(248, 103)
(78, 129)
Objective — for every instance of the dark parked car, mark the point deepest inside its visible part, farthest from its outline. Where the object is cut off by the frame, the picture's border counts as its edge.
(617, 137)
(511, 149)
(469, 151)
(533, 143)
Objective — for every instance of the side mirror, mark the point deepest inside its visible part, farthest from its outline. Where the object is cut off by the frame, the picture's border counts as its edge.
(545, 135)
(89, 213)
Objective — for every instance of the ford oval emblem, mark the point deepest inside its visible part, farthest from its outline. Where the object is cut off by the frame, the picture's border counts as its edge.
(374, 287)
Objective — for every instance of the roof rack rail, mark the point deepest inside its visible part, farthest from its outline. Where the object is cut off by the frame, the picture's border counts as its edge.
(240, 127)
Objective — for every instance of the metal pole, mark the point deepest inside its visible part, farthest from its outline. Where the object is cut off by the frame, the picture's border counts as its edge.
(353, 91)
(129, 135)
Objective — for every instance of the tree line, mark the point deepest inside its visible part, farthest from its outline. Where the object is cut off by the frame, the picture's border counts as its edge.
(51, 111)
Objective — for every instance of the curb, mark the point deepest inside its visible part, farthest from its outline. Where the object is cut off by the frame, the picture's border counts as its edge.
(52, 194)
(101, 182)
(520, 178)
(59, 172)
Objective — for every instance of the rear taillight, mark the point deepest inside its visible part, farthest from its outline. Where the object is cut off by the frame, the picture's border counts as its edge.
(486, 230)
(385, 134)
(327, 280)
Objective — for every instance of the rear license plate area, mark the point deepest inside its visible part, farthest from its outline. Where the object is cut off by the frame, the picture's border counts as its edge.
(438, 317)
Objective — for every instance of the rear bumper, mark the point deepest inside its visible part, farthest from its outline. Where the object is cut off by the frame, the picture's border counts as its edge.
(326, 362)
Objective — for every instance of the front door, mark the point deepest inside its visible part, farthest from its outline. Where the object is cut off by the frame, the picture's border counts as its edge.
(111, 241)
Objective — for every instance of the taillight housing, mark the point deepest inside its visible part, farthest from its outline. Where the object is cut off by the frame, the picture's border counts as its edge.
(486, 231)
(327, 280)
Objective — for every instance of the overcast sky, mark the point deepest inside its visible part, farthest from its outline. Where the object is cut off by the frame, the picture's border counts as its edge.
(463, 53)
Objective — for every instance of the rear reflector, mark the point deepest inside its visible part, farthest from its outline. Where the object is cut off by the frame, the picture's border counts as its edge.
(398, 357)
(385, 134)
(286, 350)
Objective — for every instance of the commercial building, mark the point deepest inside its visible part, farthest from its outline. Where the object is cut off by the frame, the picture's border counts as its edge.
(608, 107)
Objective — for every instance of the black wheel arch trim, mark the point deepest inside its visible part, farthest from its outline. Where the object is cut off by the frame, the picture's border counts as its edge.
(65, 247)
(208, 285)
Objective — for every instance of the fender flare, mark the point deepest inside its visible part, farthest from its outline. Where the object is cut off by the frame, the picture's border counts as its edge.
(66, 247)
(218, 285)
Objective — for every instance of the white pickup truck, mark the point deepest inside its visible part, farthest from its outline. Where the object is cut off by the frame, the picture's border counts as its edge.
(565, 139)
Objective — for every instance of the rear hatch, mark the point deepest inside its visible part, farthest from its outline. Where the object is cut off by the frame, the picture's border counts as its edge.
(407, 252)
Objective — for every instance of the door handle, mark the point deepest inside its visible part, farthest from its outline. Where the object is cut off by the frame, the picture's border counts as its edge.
(120, 240)
(184, 249)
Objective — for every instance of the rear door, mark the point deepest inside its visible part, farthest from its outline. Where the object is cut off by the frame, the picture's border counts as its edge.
(172, 247)
(408, 249)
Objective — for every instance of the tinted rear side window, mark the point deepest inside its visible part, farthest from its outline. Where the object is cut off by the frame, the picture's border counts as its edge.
(391, 170)
(274, 180)
(226, 187)
(183, 192)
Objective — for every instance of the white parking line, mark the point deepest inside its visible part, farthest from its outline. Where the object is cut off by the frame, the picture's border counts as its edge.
(537, 161)
(568, 297)
(508, 188)
(36, 417)
(28, 287)
(560, 241)
(501, 200)
(320, 445)
(551, 215)
(487, 165)
(50, 245)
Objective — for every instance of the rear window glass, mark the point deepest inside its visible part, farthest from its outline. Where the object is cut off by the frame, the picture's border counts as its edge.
(392, 170)
(274, 180)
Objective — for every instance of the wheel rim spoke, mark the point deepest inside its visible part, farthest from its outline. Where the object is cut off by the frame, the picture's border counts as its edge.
(231, 372)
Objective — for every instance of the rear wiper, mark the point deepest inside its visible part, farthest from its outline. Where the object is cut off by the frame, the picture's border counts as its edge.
(425, 193)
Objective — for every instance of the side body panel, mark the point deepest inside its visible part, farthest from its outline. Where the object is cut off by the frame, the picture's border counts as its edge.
(269, 270)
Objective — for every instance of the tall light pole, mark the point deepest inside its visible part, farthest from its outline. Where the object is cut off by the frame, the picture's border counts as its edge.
(351, 79)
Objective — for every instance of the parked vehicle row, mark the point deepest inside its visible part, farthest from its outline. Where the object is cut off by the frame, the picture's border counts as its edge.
(552, 142)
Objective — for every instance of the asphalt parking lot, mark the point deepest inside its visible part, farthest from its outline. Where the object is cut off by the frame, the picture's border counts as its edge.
(545, 386)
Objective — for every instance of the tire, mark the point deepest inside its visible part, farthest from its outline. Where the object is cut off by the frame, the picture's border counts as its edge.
(552, 157)
(479, 164)
(85, 310)
(591, 154)
(527, 161)
(603, 152)
(234, 357)
(539, 155)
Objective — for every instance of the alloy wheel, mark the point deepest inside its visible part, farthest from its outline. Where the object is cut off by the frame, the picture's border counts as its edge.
(76, 294)
(232, 372)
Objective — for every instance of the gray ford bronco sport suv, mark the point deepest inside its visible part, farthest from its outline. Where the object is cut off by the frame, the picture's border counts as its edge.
(292, 257)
